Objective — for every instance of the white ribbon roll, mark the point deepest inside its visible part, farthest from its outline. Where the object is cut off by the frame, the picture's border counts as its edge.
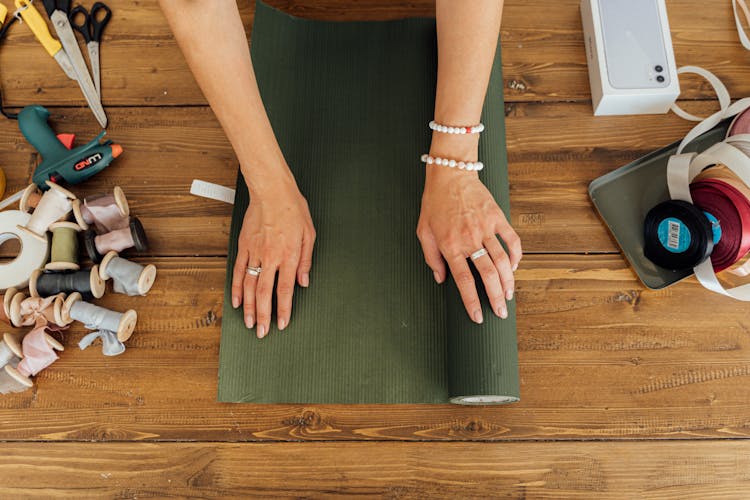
(34, 250)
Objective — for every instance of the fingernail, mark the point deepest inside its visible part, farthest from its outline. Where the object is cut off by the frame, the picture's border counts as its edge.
(282, 324)
(436, 275)
(305, 280)
(261, 331)
(478, 317)
(509, 295)
(235, 302)
(515, 267)
(502, 312)
(249, 322)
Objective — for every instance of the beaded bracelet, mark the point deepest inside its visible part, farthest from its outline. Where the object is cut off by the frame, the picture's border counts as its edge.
(447, 129)
(462, 165)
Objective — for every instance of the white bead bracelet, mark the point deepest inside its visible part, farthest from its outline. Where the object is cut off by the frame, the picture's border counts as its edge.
(447, 129)
(462, 165)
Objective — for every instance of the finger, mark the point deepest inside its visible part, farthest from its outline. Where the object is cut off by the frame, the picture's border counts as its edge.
(305, 261)
(512, 242)
(502, 263)
(432, 255)
(264, 299)
(466, 286)
(238, 277)
(285, 292)
(249, 285)
(491, 280)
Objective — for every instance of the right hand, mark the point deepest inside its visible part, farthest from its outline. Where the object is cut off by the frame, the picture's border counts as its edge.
(278, 235)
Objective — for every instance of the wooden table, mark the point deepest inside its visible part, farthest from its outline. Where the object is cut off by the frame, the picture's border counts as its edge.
(626, 392)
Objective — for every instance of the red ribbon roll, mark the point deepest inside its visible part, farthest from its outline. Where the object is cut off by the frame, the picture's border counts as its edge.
(732, 209)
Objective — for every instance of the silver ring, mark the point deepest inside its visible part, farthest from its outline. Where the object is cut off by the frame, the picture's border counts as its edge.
(253, 271)
(479, 253)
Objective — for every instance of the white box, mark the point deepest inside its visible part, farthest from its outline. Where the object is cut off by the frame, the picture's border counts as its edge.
(630, 57)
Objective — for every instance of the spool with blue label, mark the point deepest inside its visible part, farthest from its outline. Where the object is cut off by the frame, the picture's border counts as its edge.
(678, 235)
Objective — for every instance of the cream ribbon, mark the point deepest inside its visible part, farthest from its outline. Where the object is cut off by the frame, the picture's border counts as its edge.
(740, 30)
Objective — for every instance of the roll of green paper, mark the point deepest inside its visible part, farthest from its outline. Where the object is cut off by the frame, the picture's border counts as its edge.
(350, 103)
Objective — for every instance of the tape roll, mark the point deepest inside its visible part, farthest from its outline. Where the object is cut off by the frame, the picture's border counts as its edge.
(677, 235)
(33, 254)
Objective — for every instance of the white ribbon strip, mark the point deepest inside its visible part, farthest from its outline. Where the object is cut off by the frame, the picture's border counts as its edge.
(681, 170)
(719, 89)
(10, 200)
(726, 110)
(212, 191)
(740, 30)
(734, 152)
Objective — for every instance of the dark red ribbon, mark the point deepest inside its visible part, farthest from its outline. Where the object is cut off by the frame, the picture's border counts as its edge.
(732, 209)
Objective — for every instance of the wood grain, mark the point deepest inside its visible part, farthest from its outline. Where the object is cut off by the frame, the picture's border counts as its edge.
(600, 357)
(543, 52)
(555, 150)
(647, 470)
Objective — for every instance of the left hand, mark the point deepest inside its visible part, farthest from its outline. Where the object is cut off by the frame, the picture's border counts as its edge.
(460, 216)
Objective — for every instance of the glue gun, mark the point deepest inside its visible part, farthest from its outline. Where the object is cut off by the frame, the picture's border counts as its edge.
(60, 161)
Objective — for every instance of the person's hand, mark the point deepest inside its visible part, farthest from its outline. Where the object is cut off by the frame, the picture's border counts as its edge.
(278, 236)
(459, 216)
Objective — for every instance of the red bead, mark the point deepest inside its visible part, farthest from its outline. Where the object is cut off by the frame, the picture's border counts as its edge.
(467, 130)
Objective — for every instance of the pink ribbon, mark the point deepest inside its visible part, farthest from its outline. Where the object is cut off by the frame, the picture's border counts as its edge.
(104, 213)
(37, 353)
(118, 240)
(39, 312)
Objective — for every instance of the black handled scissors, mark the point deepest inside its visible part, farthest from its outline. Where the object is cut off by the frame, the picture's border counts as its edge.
(91, 29)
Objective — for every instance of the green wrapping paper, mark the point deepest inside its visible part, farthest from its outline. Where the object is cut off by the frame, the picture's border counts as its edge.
(349, 103)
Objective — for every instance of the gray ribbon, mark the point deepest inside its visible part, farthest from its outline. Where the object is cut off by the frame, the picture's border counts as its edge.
(110, 345)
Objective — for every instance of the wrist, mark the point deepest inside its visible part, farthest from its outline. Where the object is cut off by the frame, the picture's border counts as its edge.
(452, 146)
(268, 180)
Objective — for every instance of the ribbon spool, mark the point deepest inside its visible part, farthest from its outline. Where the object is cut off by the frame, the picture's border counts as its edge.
(10, 351)
(12, 381)
(128, 277)
(64, 254)
(677, 235)
(38, 352)
(121, 239)
(30, 198)
(26, 311)
(88, 283)
(99, 318)
(33, 254)
(106, 213)
(730, 207)
(740, 124)
(722, 173)
(5, 311)
(55, 204)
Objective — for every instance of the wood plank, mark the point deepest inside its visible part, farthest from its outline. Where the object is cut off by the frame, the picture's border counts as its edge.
(544, 57)
(600, 358)
(649, 470)
(554, 150)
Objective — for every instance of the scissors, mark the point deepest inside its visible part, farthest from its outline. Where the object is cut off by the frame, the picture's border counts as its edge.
(91, 29)
(57, 10)
(34, 21)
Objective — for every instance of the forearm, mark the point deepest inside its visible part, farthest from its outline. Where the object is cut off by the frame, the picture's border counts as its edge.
(467, 32)
(215, 46)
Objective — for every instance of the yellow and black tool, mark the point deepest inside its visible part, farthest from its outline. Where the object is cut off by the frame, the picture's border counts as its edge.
(38, 26)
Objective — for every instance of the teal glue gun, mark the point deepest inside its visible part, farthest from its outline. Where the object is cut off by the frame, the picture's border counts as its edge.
(60, 162)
